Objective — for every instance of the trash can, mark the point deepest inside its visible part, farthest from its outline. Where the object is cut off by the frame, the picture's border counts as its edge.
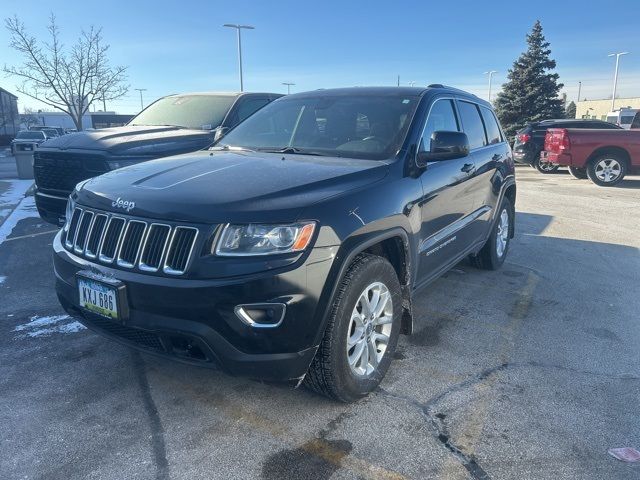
(24, 160)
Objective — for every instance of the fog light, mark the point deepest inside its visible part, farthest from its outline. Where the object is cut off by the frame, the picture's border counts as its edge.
(261, 315)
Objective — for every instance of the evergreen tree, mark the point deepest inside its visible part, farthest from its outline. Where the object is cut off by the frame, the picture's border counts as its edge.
(571, 110)
(531, 92)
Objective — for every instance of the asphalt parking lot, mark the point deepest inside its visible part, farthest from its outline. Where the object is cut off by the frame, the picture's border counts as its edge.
(532, 371)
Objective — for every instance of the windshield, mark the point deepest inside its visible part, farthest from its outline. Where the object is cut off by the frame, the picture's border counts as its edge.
(358, 126)
(202, 112)
(34, 135)
(626, 119)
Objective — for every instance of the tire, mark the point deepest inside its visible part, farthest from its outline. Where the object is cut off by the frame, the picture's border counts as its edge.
(545, 167)
(607, 170)
(494, 251)
(579, 173)
(331, 373)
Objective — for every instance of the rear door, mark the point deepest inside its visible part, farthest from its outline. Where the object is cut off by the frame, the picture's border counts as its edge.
(447, 201)
(487, 160)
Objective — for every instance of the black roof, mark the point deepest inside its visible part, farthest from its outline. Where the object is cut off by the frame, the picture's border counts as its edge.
(382, 91)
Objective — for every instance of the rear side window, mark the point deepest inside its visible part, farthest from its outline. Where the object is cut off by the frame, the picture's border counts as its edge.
(472, 124)
(442, 117)
(491, 125)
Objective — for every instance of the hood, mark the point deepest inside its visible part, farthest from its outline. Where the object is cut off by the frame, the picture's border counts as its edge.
(135, 140)
(217, 187)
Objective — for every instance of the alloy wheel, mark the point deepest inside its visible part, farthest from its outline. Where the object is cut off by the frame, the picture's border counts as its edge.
(369, 329)
(608, 170)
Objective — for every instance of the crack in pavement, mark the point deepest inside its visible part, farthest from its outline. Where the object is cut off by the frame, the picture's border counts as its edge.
(157, 431)
(436, 420)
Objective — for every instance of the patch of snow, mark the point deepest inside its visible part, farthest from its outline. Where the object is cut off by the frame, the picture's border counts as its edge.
(45, 326)
(15, 192)
(2, 279)
(25, 209)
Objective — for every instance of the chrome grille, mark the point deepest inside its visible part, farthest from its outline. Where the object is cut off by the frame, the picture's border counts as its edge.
(111, 240)
(182, 241)
(154, 246)
(131, 243)
(93, 242)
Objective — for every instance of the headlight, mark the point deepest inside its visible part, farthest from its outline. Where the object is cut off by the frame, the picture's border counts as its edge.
(71, 206)
(115, 164)
(256, 239)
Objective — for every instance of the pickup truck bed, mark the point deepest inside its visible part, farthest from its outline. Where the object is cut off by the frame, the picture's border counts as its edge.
(604, 156)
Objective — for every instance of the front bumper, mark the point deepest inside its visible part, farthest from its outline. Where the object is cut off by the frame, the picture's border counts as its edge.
(193, 320)
(51, 208)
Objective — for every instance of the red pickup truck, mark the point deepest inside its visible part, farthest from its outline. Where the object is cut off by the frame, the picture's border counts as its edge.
(604, 156)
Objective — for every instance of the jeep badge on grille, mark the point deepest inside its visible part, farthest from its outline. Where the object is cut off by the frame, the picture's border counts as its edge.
(124, 204)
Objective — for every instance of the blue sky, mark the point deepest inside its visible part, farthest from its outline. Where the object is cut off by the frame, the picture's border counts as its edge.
(181, 46)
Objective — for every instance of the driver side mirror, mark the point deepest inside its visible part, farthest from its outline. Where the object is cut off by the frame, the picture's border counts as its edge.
(220, 132)
(444, 146)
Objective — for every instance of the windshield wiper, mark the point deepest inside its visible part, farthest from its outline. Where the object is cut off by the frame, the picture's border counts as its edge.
(292, 150)
(226, 148)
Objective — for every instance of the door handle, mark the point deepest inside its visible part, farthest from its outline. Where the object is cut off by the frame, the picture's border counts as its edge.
(496, 157)
(468, 168)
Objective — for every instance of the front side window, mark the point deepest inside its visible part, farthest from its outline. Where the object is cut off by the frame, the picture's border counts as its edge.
(201, 112)
(249, 107)
(442, 117)
(491, 125)
(472, 124)
(356, 126)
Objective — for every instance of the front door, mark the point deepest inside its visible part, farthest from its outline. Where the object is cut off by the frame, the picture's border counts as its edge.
(447, 202)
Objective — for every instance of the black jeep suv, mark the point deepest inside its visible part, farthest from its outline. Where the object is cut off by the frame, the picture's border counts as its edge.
(529, 142)
(292, 249)
(171, 125)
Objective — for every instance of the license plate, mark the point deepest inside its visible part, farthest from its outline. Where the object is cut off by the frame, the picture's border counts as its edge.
(98, 297)
(28, 147)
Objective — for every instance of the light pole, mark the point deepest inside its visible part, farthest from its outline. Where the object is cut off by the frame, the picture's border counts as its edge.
(490, 73)
(238, 28)
(615, 77)
(141, 90)
(289, 85)
(579, 90)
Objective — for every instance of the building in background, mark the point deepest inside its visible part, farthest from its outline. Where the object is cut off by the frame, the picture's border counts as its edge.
(61, 119)
(9, 119)
(598, 109)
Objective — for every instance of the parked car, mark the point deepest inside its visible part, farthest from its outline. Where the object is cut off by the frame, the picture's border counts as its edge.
(27, 140)
(604, 156)
(289, 253)
(635, 124)
(622, 117)
(529, 141)
(172, 125)
(52, 131)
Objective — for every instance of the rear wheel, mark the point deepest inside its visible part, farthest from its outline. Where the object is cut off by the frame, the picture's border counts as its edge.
(362, 332)
(545, 167)
(579, 173)
(493, 253)
(607, 170)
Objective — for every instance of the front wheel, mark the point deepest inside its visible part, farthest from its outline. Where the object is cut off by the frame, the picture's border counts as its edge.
(607, 170)
(362, 333)
(493, 253)
(579, 173)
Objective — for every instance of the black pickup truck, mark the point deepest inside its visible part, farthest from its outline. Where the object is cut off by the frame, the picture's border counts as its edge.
(293, 248)
(171, 125)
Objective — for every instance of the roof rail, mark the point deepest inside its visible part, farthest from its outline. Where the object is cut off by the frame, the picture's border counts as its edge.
(435, 85)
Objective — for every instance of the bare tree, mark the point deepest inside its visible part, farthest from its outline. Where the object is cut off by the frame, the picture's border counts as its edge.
(67, 80)
(29, 118)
